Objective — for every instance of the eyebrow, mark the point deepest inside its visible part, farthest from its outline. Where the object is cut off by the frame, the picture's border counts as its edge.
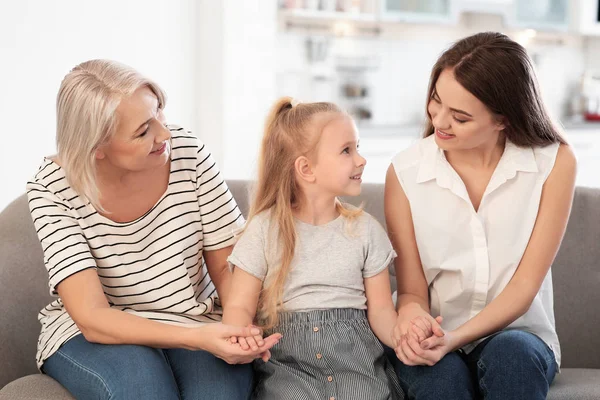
(435, 93)
(350, 142)
(145, 123)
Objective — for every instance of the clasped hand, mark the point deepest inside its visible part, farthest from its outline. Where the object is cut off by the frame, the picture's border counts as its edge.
(419, 339)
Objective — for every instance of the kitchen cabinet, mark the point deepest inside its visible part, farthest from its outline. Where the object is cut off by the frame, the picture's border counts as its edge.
(586, 145)
(379, 144)
(545, 15)
(418, 11)
(588, 17)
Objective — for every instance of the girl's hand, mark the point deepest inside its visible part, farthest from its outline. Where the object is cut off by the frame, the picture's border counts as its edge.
(428, 352)
(252, 342)
(416, 322)
(216, 339)
(423, 327)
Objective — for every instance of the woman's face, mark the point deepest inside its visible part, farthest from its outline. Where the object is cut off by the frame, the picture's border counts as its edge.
(461, 121)
(141, 140)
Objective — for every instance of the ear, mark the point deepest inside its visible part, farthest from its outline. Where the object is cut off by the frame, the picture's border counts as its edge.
(100, 154)
(501, 123)
(304, 169)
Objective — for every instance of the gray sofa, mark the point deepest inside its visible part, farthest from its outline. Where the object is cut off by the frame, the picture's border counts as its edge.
(576, 272)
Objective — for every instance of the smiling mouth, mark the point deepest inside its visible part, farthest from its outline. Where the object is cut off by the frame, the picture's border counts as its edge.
(160, 149)
(356, 177)
(442, 133)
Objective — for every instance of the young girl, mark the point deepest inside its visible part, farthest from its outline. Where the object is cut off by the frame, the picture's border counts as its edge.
(311, 268)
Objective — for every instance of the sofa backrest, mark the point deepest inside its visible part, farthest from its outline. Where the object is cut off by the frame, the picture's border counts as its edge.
(576, 272)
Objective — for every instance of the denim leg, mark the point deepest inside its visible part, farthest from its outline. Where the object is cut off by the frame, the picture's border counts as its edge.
(513, 365)
(99, 371)
(448, 379)
(200, 375)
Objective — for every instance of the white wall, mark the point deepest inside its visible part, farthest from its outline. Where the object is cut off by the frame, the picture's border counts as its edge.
(236, 79)
(41, 40)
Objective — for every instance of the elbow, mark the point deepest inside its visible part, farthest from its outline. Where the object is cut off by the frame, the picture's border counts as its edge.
(527, 296)
(89, 330)
(90, 334)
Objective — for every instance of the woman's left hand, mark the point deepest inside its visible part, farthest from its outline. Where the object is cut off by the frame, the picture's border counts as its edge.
(428, 352)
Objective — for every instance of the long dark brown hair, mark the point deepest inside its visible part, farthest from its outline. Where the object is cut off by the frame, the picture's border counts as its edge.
(498, 71)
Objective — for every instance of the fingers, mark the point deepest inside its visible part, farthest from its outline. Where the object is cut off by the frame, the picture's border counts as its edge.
(245, 331)
(266, 356)
(259, 340)
(419, 333)
(436, 328)
(432, 342)
(400, 354)
(244, 343)
(270, 341)
(251, 340)
(414, 352)
(233, 339)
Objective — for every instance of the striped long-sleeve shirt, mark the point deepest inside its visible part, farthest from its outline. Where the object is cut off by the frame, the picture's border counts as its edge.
(151, 267)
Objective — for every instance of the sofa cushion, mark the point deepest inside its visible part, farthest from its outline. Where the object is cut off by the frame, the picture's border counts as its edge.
(576, 384)
(35, 387)
(24, 288)
(576, 279)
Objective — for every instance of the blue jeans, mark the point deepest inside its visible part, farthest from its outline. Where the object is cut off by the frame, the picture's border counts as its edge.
(511, 364)
(99, 371)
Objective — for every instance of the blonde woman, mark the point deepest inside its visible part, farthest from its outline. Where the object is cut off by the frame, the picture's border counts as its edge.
(136, 224)
(311, 268)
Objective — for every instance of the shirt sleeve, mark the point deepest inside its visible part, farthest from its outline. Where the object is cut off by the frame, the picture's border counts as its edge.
(65, 248)
(249, 253)
(380, 252)
(219, 212)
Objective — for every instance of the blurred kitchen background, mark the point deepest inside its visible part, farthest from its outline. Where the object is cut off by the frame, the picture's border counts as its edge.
(224, 62)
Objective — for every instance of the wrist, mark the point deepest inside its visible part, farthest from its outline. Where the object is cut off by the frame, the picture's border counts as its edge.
(193, 338)
(457, 339)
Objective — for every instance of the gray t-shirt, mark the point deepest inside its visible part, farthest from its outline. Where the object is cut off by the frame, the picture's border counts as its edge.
(330, 263)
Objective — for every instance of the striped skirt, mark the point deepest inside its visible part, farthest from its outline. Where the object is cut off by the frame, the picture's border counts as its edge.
(326, 355)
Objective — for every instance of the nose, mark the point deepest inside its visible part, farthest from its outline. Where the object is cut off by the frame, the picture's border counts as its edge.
(441, 120)
(361, 161)
(163, 134)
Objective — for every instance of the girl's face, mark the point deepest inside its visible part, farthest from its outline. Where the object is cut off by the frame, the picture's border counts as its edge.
(339, 166)
(141, 140)
(461, 121)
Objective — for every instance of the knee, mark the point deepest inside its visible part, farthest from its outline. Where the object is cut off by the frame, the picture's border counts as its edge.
(516, 350)
(449, 378)
(240, 382)
(141, 373)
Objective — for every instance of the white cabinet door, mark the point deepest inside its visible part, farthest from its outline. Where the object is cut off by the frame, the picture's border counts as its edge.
(588, 17)
(586, 145)
(418, 11)
(379, 152)
(553, 15)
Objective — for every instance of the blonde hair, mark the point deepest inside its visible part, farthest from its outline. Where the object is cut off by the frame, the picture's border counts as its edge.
(86, 117)
(290, 131)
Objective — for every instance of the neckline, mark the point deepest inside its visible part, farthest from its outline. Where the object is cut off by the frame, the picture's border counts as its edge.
(327, 224)
(105, 218)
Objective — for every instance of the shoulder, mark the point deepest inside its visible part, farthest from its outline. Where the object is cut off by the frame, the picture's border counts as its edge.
(49, 182)
(413, 155)
(565, 164)
(183, 142)
(260, 221)
(364, 223)
(556, 158)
